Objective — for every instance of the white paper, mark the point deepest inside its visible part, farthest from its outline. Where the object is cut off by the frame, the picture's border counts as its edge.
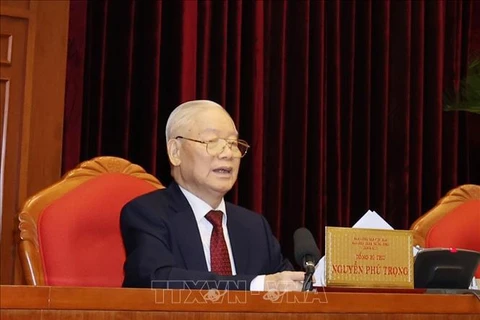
(370, 220)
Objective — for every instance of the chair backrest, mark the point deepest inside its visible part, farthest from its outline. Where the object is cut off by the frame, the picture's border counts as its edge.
(453, 222)
(70, 231)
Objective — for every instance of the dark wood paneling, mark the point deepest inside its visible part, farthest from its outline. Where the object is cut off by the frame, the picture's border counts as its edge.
(34, 69)
(13, 68)
(46, 124)
(17, 4)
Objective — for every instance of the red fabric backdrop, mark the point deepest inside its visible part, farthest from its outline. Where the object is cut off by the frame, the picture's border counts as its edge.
(340, 100)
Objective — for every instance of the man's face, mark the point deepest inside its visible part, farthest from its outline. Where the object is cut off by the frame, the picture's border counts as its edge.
(206, 176)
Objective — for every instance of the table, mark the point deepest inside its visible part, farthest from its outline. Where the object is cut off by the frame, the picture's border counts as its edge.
(49, 303)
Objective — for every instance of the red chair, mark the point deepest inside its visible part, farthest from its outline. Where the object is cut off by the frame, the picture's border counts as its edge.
(70, 231)
(453, 223)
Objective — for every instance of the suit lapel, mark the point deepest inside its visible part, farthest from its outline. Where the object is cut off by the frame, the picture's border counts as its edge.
(238, 240)
(187, 235)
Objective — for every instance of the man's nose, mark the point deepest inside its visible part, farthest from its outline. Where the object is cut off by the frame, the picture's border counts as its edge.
(227, 151)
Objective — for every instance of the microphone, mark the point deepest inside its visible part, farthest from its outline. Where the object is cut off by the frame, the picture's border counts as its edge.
(306, 255)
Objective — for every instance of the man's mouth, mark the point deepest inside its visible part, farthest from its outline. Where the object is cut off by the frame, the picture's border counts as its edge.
(223, 170)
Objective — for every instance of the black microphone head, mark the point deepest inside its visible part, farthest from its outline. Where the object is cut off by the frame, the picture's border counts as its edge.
(304, 245)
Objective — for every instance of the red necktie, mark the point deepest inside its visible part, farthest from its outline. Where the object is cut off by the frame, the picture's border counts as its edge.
(219, 258)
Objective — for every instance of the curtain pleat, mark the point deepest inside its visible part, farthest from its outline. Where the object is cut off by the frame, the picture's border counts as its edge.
(341, 101)
(417, 88)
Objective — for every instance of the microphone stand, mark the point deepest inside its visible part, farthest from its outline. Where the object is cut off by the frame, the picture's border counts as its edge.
(307, 281)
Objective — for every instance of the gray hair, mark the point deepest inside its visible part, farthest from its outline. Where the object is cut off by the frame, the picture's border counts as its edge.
(183, 115)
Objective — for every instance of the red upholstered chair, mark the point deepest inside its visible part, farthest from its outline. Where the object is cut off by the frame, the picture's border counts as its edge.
(453, 223)
(70, 231)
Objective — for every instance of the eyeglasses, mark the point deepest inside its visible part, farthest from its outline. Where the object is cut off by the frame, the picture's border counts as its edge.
(216, 146)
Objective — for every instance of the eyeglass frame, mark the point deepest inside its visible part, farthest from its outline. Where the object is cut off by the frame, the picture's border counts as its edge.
(228, 142)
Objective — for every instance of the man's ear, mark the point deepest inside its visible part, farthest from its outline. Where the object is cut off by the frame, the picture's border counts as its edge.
(173, 149)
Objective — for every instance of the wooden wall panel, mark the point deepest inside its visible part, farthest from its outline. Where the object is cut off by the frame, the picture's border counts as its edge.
(4, 98)
(48, 97)
(13, 75)
(20, 4)
(32, 73)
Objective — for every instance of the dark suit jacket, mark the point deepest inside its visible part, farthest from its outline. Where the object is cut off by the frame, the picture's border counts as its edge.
(164, 248)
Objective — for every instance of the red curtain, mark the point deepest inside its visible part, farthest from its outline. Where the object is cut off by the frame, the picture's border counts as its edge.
(340, 100)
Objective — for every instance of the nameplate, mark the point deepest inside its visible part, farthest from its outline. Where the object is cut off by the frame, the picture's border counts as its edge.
(369, 258)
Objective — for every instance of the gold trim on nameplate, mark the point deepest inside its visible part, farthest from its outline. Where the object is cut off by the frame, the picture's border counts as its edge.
(369, 258)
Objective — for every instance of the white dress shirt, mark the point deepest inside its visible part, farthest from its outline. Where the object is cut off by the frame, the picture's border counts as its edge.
(200, 209)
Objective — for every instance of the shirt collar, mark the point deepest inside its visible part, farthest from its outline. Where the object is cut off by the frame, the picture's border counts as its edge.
(201, 208)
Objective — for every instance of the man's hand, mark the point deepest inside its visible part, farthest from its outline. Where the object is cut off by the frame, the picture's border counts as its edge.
(285, 281)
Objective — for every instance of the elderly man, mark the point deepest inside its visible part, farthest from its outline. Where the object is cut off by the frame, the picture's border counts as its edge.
(187, 236)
